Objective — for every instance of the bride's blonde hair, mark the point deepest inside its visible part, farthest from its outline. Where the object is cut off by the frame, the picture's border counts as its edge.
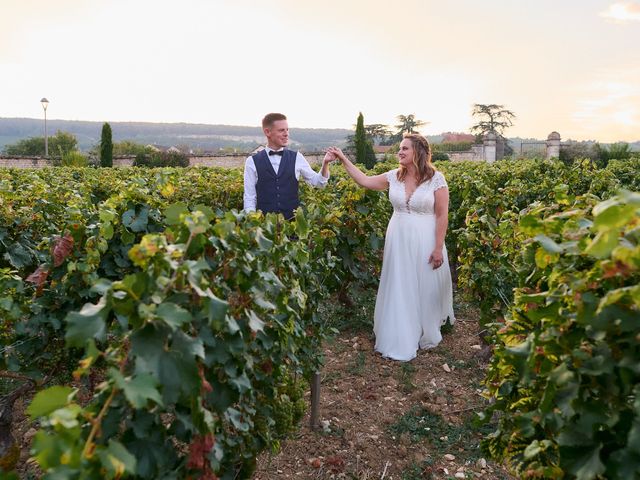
(421, 158)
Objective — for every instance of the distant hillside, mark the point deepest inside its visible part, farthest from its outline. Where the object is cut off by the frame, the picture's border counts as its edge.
(202, 137)
(197, 136)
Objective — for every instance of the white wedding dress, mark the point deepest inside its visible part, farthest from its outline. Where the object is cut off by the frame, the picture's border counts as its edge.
(414, 300)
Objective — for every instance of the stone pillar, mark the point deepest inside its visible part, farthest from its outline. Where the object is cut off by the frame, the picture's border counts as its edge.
(500, 143)
(489, 143)
(553, 145)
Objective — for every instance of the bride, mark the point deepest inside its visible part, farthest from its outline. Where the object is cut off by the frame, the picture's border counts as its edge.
(415, 296)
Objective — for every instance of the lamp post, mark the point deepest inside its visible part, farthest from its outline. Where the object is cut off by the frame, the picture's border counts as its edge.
(45, 104)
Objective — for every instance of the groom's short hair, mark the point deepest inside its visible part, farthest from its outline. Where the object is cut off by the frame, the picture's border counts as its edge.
(270, 118)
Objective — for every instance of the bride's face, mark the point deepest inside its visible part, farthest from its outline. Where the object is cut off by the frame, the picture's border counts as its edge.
(405, 154)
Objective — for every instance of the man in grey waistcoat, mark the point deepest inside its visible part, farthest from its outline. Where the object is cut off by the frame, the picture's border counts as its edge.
(271, 176)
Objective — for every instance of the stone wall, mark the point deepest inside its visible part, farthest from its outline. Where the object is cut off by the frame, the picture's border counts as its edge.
(475, 154)
(489, 151)
(24, 162)
(124, 161)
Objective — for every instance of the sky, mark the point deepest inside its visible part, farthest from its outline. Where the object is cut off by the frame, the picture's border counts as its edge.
(571, 66)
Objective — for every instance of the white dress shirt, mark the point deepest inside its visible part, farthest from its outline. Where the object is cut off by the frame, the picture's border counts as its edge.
(302, 169)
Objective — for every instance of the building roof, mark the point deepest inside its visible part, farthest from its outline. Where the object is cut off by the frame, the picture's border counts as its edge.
(381, 148)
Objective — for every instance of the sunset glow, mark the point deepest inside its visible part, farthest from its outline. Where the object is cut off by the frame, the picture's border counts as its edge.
(623, 12)
(570, 66)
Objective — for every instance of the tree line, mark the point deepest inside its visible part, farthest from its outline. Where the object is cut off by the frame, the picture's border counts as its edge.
(490, 119)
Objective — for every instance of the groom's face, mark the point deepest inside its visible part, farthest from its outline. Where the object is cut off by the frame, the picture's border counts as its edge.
(278, 134)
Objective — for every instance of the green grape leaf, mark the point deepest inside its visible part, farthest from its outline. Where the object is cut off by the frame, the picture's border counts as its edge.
(173, 315)
(117, 460)
(138, 390)
(136, 221)
(49, 400)
(603, 243)
(88, 323)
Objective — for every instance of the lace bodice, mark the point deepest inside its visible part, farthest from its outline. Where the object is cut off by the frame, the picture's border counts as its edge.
(421, 201)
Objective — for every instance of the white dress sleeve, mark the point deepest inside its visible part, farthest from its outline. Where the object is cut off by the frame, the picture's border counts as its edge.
(439, 181)
(392, 176)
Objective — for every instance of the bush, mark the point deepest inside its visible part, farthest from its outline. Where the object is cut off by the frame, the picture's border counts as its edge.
(451, 146)
(74, 159)
(616, 151)
(439, 157)
(573, 151)
(220, 321)
(565, 374)
(161, 159)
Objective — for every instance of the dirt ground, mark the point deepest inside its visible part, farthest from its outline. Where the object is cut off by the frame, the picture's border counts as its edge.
(383, 419)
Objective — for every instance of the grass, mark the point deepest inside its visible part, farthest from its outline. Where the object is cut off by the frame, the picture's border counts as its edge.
(358, 365)
(443, 437)
(406, 375)
(358, 318)
(418, 472)
(452, 359)
(447, 328)
(331, 377)
(463, 306)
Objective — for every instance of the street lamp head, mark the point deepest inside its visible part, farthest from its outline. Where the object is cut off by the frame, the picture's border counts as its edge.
(45, 103)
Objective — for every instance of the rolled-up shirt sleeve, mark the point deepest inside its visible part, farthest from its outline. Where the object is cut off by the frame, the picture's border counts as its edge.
(304, 170)
(250, 180)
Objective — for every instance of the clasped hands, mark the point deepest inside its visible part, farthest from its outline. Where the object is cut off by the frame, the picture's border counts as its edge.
(332, 154)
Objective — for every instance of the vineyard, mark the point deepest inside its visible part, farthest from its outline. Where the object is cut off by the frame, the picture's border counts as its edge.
(167, 334)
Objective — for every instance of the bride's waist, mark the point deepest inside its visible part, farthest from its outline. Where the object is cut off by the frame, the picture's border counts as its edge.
(400, 214)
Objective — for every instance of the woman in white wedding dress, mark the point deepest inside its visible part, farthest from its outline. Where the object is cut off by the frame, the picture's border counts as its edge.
(415, 296)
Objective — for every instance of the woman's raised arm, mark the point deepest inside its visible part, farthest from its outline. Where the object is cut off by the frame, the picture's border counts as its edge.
(374, 182)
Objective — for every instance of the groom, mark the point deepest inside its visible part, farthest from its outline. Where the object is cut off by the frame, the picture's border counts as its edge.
(271, 175)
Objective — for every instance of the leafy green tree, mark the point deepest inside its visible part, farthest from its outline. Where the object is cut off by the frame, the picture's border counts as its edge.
(408, 124)
(30, 147)
(106, 146)
(63, 142)
(377, 132)
(620, 151)
(128, 147)
(616, 151)
(491, 118)
(363, 145)
(59, 144)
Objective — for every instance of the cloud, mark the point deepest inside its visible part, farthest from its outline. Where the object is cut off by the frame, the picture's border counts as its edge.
(609, 106)
(623, 12)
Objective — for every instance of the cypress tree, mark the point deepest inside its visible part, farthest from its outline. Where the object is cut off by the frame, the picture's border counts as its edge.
(363, 146)
(106, 146)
